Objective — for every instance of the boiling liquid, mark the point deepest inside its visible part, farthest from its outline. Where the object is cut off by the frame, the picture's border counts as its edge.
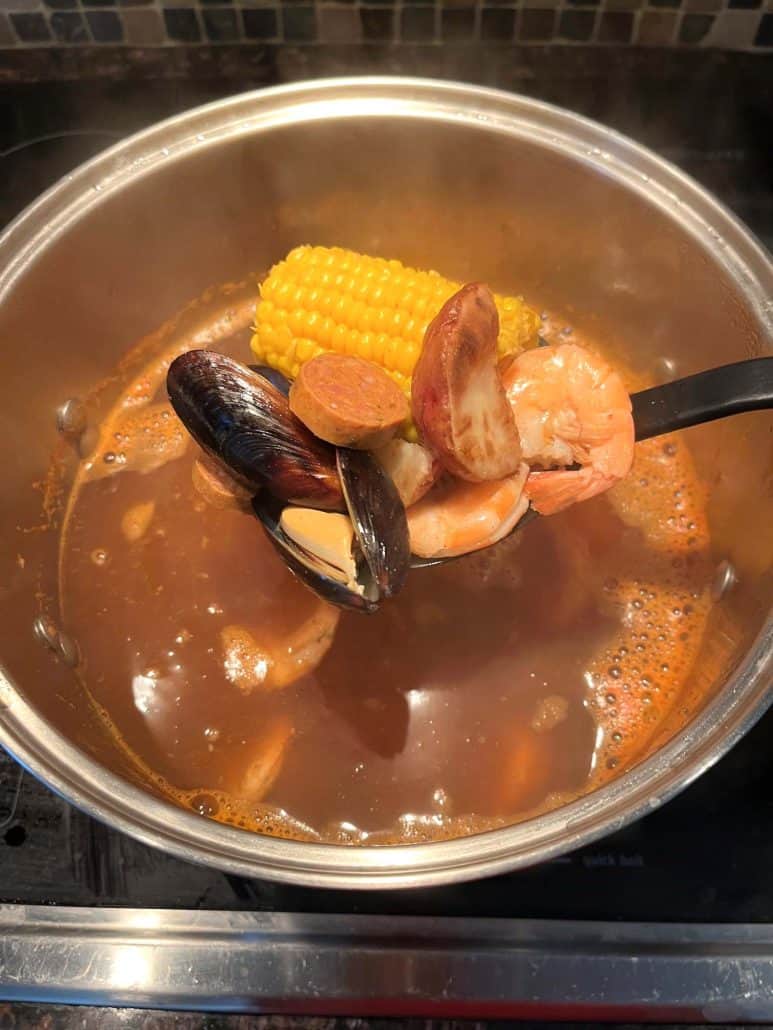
(493, 687)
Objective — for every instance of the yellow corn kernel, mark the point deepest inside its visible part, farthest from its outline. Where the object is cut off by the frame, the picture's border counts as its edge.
(304, 350)
(330, 299)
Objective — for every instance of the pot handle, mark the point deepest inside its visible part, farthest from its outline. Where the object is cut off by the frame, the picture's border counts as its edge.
(717, 393)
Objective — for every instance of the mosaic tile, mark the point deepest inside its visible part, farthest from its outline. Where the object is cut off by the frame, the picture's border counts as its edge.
(69, 27)
(143, 28)
(417, 24)
(576, 26)
(497, 24)
(656, 28)
(615, 27)
(182, 25)
(30, 28)
(260, 23)
(719, 24)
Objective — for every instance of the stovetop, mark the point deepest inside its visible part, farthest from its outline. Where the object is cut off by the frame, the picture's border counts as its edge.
(704, 858)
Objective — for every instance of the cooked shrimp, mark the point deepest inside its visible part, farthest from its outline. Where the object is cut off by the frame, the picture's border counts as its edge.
(136, 520)
(249, 664)
(526, 768)
(265, 763)
(570, 408)
(457, 517)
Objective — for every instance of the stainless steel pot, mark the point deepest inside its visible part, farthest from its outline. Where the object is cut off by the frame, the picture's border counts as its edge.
(480, 183)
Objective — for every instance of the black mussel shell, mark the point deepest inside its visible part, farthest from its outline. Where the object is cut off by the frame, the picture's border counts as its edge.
(245, 422)
(269, 510)
(378, 517)
(281, 382)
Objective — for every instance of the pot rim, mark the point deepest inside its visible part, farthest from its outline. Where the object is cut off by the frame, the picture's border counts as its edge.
(746, 695)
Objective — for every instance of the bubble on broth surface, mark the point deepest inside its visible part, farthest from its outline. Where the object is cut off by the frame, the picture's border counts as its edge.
(72, 419)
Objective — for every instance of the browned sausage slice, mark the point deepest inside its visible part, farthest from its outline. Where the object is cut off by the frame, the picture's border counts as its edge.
(348, 401)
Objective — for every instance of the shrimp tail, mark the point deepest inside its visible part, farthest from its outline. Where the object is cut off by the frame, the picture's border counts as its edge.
(553, 491)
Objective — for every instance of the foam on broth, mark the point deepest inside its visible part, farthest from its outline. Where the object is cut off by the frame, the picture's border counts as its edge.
(494, 687)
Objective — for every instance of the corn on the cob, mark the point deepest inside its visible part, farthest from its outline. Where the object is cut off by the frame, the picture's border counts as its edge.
(330, 299)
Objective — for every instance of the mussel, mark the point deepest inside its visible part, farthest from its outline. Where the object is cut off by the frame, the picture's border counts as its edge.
(244, 421)
(352, 561)
(240, 416)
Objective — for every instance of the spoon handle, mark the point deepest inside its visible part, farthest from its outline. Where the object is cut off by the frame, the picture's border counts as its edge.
(727, 390)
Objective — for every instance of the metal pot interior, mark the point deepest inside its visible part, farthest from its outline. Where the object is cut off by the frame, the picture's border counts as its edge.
(476, 184)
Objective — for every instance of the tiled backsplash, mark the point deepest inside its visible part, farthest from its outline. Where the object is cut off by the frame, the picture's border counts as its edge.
(729, 24)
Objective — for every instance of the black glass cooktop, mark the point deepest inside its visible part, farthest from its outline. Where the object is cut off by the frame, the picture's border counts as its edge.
(706, 856)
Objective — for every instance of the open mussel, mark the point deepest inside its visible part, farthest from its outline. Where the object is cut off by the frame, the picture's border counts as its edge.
(355, 560)
(339, 574)
(335, 517)
(245, 422)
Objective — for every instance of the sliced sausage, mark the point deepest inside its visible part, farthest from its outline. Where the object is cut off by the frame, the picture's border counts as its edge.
(348, 401)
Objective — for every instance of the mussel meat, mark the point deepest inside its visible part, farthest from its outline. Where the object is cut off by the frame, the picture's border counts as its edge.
(328, 537)
(244, 421)
(339, 575)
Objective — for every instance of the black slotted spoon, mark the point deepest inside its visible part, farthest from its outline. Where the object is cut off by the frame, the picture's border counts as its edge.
(703, 397)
